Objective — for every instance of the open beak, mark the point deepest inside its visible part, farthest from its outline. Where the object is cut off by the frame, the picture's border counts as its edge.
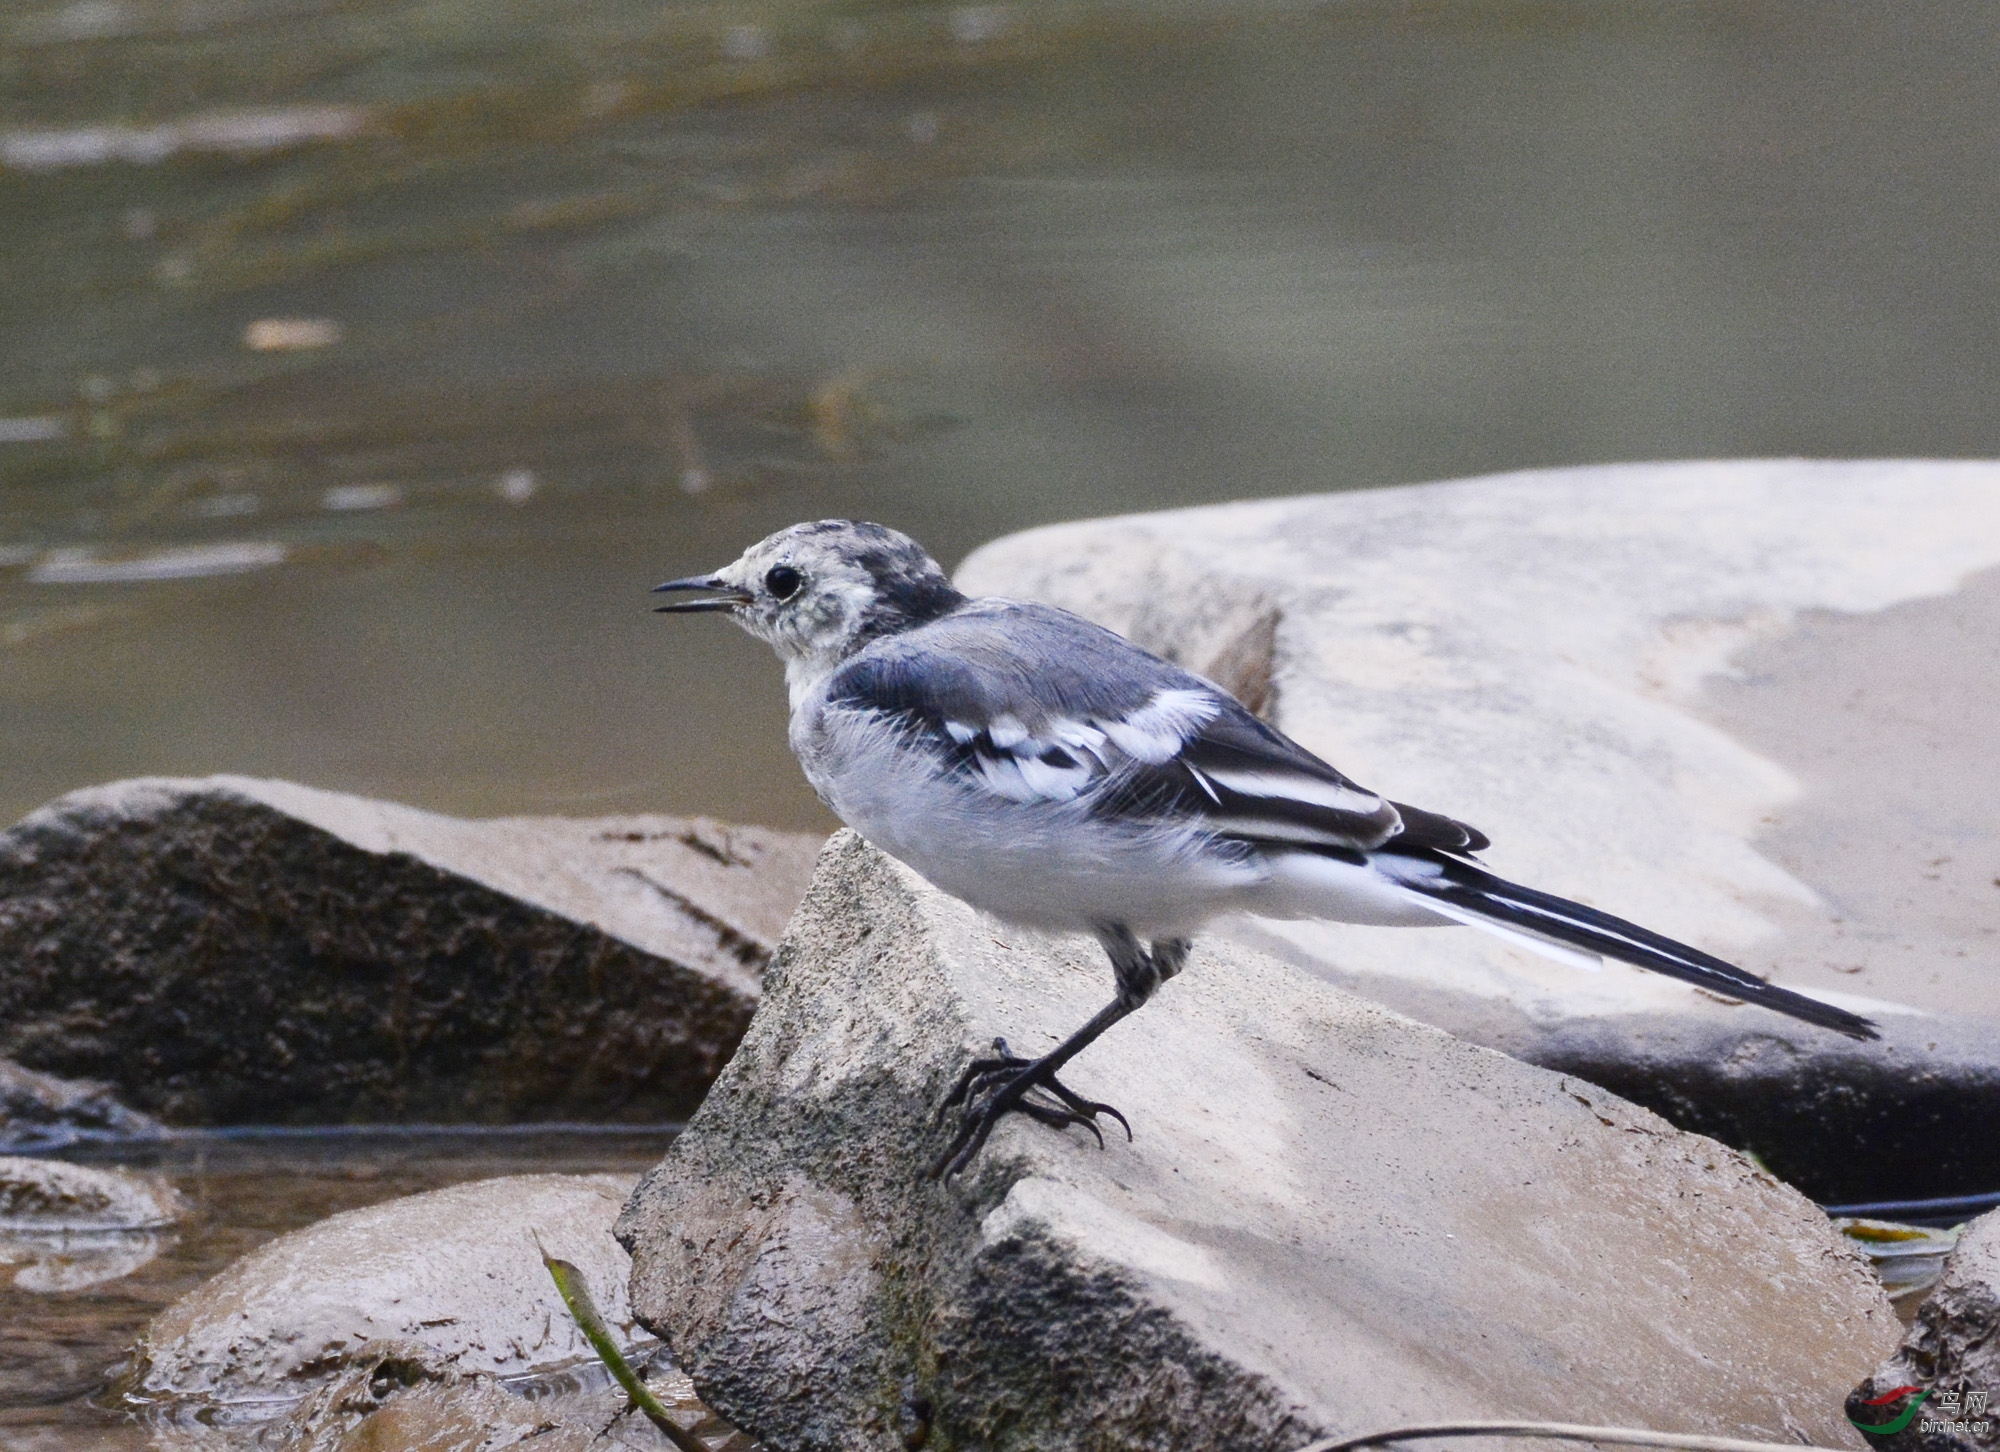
(726, 596)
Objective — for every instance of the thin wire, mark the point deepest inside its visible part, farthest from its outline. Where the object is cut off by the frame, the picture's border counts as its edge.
(1562, 1432)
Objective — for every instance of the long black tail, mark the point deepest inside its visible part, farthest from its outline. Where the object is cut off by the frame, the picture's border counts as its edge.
(1478, 894)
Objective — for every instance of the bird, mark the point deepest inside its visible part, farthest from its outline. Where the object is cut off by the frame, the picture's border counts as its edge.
(1057, 776)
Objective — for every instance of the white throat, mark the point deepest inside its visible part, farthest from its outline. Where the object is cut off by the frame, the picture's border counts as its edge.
(804, 674)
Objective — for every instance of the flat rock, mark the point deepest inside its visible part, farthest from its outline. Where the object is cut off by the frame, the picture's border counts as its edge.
(448, 1284)
(1331, 1218)
(233, 950)
(1952, 1351)
(40, 1112)
(1751, 705)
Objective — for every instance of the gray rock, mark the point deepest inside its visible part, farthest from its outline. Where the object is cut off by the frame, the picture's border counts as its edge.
(52, 1195)
(364, 1411)
(66, 1227)
(444, 1284)
(1953, 1347)
(229, 950)
(423, 1323)
(1752, 705)
(40, 1112)
(1331, 1218)
(435, 1409)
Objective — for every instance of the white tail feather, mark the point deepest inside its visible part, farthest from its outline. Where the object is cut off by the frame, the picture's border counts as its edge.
(1519, 937)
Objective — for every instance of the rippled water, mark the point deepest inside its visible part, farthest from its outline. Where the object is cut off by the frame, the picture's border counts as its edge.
(365, 360)
(59, 1343)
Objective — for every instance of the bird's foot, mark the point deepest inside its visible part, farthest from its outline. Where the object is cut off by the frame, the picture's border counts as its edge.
(991, 1089)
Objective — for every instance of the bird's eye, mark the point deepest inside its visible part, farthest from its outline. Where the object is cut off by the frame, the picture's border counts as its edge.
(783, 581)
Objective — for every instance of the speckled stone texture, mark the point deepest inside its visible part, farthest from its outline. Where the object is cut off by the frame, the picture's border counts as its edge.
(1751, 704)
(447, 1281)
(1332, 1218)
(423, 1324)
(1954, 1346)
(228, 950)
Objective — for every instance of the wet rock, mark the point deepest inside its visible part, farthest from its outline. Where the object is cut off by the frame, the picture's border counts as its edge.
(229, 950)
(367, 1410)
(1752, 705)
(1331, 1218)
(40, 1112)
(65, 1227)
(433, 1410)
(423, 1324)
(444, 1285)
(1953, 1352)
(52, 1195)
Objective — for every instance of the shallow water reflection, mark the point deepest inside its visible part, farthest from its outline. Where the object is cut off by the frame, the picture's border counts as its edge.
(55, 1261)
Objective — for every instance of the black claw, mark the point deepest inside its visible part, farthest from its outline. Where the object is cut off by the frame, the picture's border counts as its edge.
(971, 1137)
(1086, 1109)
(991, 1089)
(976, 1075)
(1058, 1118)
(975, 1079)
(1063, 1119)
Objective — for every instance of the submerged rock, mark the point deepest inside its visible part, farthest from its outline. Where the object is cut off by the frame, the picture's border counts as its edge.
(40, 1112)
(444, 1284)
(52, 1195)
(437, 1410)
(427, 1322)
(65, 1227)
(441, 1411)
(229, 950)
(407, 1411)
(1952, 1352)
(1751, 705)
(1331, 1218)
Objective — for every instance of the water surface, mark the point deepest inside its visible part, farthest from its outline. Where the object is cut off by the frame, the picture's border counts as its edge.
(553, 300)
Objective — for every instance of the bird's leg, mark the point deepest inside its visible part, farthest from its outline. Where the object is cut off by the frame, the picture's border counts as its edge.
(989, 1089)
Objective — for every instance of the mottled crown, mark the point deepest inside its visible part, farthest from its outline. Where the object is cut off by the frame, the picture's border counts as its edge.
(819, 592)
(909, 586)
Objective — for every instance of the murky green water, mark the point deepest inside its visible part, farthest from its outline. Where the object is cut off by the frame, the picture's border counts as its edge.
(614, 287)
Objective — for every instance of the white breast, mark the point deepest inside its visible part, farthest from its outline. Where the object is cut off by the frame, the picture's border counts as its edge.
(1037, 862)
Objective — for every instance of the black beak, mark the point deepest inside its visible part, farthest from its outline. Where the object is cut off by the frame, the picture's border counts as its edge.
(728, 597)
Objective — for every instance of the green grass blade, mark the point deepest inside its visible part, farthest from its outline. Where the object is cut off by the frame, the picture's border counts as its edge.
(576, 1295)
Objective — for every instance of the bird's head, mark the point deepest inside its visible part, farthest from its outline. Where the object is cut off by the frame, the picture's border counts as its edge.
(819, 592)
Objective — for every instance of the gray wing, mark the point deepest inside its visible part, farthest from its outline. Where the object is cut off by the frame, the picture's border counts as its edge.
(1030, 703)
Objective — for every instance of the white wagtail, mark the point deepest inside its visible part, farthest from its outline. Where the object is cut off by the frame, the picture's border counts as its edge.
(1057, 776)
